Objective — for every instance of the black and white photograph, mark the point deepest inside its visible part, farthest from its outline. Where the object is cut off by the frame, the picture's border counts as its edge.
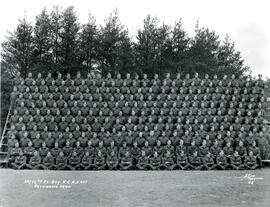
(134, 103)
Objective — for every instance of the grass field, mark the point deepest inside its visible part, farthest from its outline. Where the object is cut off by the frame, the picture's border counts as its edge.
(135, 188)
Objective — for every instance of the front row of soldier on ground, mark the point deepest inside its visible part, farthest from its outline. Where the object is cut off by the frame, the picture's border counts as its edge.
(158, 157)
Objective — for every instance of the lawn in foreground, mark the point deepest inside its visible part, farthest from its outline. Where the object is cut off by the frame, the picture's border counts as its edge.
(136, 188)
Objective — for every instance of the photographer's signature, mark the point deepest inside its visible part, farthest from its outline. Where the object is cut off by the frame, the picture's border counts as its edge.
(250, 178)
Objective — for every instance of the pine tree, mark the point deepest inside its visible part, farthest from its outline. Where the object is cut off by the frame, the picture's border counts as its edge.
(180, 46)
(89, 43)
(18, 48)
(56, 27)
(125, 55)
(164, 49)
(42, 39)
(147, 46)
(69, 37)
(115, 45)
(203, 50)
(230, 60)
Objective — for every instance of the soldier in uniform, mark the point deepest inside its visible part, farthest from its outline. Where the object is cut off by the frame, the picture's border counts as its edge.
(56, 150)
(74, 161)
(129, 138)
(221, 161)
(17, 79)
(256, 152)
(263, 142)
(249, 139)
(29, 80)
(35, 162)
(242, 151)
(78, 149)
(22, 133)
(182, 160)
(99, 161)
(19, 126)
(169, 147)
(63, 124)
(228, 150)
(67, 149)
(14, 152)
(250, 161)
(43, 150)
(111, 148)
(195, 161)
(180, 147)
(135, 152)
(12, 141)
(168, 161)
(123, 150)
(118, 139)
(15, 117)
(208, 162)
(192, 148)
(175, 139)
(48, 161)
(112, 160)
(203, 149)
(187, 138)
(236, 162)
(61, 162)
(37, 142)
(151, 138)
(143, 162)
(100, 148)
(20, 161)
(158, 148)
(147, 149)
(155, 161)
(87, 161)
(83, 140)
(126, 162)
(49, 141)
(29, 150)
(78, 79)
(118, 81)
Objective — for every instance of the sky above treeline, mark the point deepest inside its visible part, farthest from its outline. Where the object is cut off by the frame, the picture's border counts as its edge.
(245, 21)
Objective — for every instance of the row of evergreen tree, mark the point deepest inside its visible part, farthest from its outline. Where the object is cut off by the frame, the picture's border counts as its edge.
(58, 42)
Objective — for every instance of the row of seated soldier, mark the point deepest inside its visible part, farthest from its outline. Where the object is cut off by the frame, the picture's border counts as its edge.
(161, 93)
(61, 98)
(151, 137)
(139, 82)
(135, 157)
(118, 115)
(154, 91)
(140, 111)
(143, 133)
(223, 128)
(166, 102)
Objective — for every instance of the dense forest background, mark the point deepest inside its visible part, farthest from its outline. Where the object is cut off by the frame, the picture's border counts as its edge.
(57, 42)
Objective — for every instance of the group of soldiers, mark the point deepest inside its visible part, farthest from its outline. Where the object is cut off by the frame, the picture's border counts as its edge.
(137, 113)
(147, 157)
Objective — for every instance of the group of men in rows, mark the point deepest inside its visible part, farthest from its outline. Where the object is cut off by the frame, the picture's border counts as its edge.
(126, 157)
(127, 88)
(119, 81)
(101, 111)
